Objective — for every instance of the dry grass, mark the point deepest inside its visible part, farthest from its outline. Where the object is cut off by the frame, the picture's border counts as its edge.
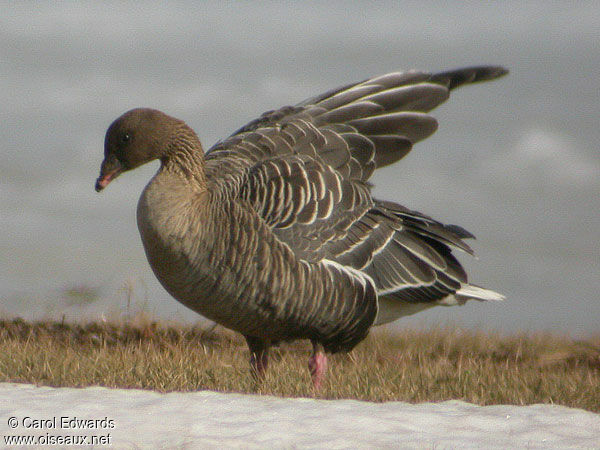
(412, 366)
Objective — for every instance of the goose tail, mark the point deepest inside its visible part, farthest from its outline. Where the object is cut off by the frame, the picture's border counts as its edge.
(472, 292)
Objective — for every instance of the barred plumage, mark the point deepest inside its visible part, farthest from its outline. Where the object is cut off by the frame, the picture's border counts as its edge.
(274, 232)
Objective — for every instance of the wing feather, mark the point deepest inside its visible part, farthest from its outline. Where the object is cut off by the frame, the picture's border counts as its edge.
(304, 170)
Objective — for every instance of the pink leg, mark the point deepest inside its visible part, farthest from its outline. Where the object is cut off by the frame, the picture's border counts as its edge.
(317, 364)
(259, 357)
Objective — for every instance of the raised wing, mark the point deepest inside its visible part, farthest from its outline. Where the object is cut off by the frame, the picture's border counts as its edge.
(304, 170)
(389, 111)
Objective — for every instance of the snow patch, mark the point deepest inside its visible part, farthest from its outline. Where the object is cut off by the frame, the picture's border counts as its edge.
(145, 419)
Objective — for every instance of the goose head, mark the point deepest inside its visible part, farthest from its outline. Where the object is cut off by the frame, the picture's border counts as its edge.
(139, 136)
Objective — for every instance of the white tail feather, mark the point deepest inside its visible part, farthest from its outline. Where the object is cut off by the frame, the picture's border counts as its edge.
(470, 291)
(391, 309)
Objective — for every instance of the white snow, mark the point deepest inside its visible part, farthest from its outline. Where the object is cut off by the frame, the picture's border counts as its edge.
(145, 419)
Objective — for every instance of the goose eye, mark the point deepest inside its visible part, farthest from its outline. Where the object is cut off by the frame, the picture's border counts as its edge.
(125, 138)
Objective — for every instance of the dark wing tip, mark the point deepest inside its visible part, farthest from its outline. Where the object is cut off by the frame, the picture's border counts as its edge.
(455, 78)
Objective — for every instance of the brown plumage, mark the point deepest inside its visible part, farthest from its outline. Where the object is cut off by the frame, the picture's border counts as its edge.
(274, 233)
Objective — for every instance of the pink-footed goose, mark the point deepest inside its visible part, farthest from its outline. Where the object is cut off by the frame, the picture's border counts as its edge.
(274, 232)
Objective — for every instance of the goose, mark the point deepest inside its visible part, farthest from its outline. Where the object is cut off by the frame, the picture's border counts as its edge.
(274, 233)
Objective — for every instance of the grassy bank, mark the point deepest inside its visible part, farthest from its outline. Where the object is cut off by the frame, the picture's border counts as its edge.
(412, 366)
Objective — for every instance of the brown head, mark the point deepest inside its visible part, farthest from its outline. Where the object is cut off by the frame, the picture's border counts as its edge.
(137, 137)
